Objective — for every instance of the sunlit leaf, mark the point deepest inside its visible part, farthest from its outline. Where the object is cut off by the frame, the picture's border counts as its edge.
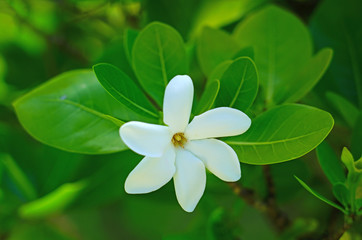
(158, 55)
(208, 97)
(214, 47)
(74, 113)
(123, 89)
(238, 84)
(53, 202)
(282, 133)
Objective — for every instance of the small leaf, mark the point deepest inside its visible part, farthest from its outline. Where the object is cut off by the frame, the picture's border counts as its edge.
(208, 97)
(348, 160)
(347, 110)
(320, 197)
(53, 202)
(18, 176)
(282, 133)
(342, 194)
(130, 36)
(123, 89)
(330, 164)
(74, 113)
(158, 55)
(214, 46)
(238, 84)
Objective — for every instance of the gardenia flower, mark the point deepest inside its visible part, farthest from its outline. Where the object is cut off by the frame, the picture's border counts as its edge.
(181, 150)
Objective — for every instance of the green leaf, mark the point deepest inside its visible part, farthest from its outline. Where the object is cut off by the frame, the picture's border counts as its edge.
(18, 176)
(239, 84)
(346, 109)
(282, 133)
(130, 36)
(39, 231)
(123, 89)
(245, 52)
(53, 202)
(307, 77)
(330, 164)
(74, 113)
(158, 55)
(320, 197)
(283, 50)
(219, 70)
(348, 160)
(214, 46)
(336, 24)
(342, 194)
(216, 13)
(208, 97)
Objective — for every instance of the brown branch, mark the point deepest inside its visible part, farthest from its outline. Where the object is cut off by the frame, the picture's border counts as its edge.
(276, 216)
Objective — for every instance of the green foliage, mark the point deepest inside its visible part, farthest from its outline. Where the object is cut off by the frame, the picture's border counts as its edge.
(239, 84)
(334, 24)
(53, 202)
(158, 54)
(283, 133)
(214, 47)
(283, 54)
(123, 89)
(330, 164)
(74, 113)
(239, 53)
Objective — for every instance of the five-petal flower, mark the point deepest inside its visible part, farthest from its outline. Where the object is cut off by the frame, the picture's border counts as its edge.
(181, 150)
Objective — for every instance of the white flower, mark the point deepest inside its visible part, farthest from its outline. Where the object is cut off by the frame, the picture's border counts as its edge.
(181, 150)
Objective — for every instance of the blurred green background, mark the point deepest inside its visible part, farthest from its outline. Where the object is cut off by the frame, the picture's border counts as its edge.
(50, 194)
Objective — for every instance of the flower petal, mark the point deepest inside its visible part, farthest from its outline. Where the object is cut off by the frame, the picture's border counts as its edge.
(151, 173)
(146, 139)
(218, 157)
(218, 122)
(189, 180)
(177, 103)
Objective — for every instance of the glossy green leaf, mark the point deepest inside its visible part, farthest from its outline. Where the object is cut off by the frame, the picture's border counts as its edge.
(208, 97)
(330, 164)
(219, 70)
(214, 46)
(282, 133)
(336, 24)
(158, 55)
(346, 109)
(73, 112)
(18, 177)
(123, 89)
(53, 202)
(283, 52)
(307, 77)
(342, 194)
(245, 52)
(130, 36)
(319, 196)
(238, 84)
(348, 160)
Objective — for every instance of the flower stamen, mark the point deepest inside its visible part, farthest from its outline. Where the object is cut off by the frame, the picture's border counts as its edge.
(179, 140)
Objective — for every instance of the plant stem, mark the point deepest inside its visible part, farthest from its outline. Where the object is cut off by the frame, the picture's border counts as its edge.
(276, 216)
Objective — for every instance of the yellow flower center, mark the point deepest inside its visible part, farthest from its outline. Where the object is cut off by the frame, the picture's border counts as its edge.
(179, 140)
